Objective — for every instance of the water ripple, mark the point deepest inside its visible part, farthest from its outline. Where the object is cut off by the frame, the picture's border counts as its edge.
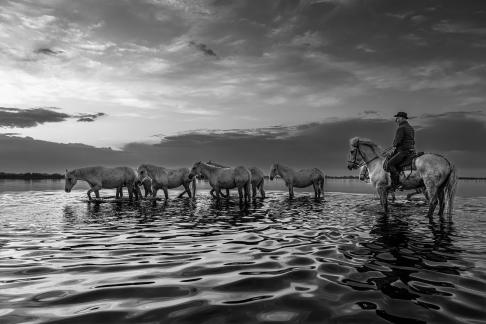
(63, 260)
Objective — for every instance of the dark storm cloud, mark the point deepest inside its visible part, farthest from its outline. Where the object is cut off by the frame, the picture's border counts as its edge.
(203, 48)
(48, 51)
(454, 131)
(325, 145)
(29, 155)
(24, 118)
(88, 117)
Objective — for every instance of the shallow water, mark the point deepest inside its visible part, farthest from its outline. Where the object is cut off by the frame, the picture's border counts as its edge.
(338, 260)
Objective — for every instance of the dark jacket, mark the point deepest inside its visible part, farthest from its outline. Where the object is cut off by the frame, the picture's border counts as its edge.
(404, 137)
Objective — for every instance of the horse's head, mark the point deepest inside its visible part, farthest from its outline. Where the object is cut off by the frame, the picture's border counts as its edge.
(362, 151)
(355, 157)
(273, 171)
(142, 173)
(196, 170)
(70, 180)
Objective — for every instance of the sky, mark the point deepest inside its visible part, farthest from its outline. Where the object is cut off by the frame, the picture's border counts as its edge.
(121, 82)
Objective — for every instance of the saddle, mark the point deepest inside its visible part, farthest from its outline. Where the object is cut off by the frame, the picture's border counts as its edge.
(407, 164)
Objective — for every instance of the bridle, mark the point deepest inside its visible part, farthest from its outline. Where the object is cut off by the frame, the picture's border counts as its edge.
(363, 157)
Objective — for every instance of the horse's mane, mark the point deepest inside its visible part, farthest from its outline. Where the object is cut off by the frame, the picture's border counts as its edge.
(210, 162)
(154, 169)
(366, 141)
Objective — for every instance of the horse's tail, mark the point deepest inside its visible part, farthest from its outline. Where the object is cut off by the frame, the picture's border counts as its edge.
(449, 188)
(193, 184)
(321, 184)
(248, 187)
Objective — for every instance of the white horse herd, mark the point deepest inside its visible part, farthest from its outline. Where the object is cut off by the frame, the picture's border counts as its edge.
(434, 176)
(220, 177)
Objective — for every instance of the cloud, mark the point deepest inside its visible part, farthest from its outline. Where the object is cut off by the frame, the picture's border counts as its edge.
(203, 48)
(48, 51)
(322, 144)
(319, 144)
(25, 154)
(22, 118)
(88, 117)
(460, 131)
(25, 118)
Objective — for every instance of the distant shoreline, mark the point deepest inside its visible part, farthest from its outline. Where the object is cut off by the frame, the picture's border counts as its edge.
(57, 176)
(31, 176)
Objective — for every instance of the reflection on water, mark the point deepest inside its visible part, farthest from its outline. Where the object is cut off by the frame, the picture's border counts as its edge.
(466, 188)
(63, 260)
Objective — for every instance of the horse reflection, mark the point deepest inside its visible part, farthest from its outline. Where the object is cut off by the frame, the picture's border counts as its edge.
(400, 248)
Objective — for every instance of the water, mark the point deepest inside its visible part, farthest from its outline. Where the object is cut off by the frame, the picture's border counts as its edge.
(340, 260)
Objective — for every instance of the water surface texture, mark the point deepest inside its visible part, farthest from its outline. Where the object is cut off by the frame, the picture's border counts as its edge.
(337, 260)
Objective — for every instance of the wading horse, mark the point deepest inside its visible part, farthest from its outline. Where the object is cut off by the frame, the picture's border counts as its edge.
(299, 179)
(364, 176)
(257, 180)
(163, 178)
(225, 178)
(99, 177)
(433, 172)
(147, 186)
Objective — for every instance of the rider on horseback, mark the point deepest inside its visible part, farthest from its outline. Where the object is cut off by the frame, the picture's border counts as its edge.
(403, 146)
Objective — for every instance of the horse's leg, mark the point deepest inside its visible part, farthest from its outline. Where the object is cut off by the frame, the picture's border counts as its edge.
(188, 190)
(253, 190)
(182, 193)
(166, 192)
(154, 192)
(262, 191)
(441, 197)
(227, 193)
(96, 189)
(217, 190)
(247, 190)
(291, 191)
(315, 189)
(432, 191)
(383, 193)
(240, 194)
(130, 189)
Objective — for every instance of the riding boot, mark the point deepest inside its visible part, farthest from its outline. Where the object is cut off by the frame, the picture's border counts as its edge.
(395, 181)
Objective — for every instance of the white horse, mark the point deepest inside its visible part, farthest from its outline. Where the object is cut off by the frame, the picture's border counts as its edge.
(364, 176)
(99, 177)
(257, 179)
(147, 186)
(433, 172)
(299, 179)
(163, 178)
(225, 178)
